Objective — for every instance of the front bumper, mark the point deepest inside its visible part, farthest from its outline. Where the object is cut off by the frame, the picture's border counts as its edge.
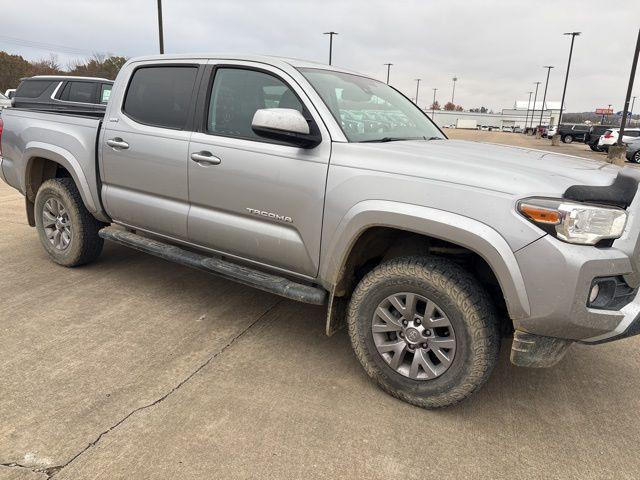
(558, 278)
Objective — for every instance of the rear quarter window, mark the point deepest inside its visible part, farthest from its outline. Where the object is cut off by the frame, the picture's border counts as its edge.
(160, 96)
(32, 88)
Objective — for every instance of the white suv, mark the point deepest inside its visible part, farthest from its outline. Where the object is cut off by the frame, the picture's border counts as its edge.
(610, 137)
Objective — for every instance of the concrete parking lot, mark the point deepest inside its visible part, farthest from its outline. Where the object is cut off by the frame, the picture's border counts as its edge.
(135, 368)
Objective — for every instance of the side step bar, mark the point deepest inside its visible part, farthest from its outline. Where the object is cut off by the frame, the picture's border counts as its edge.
(238, 273)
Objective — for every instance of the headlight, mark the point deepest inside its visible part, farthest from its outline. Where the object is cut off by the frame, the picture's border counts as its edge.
(574, 222)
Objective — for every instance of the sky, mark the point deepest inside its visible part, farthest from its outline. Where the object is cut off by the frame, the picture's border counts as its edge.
(496, 48)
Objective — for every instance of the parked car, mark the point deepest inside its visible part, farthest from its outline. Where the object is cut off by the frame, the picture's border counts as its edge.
(431, 248)
(10, 93)
(63, 93)
(4, 102)
(593, 136)
(517, 130)
(610, 137)
(551, 131)
(633, 151)
(506, 128)
(572, 133)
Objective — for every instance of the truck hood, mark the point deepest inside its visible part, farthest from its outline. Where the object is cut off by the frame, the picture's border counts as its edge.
(501, 168)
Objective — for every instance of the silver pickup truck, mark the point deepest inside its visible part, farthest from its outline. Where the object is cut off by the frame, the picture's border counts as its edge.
(328, 187)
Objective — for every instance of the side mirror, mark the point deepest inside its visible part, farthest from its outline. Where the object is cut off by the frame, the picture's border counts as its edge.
(286, 125)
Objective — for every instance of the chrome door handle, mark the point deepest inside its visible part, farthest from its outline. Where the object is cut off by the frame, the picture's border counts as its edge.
(117, 143)
(205, 158)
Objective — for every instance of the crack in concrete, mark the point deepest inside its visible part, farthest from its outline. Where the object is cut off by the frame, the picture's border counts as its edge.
(17, 465)
(50, 472)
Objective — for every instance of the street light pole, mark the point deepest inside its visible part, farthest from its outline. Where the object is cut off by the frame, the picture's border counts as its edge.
(633, 102)
(535, 97)
(453, 93)
(160, 33)
(629, 90)
(331, 34)
(417, 90)
(433, 105)
(388, 71)
(526, 119)
(566, 77)
(544, 98)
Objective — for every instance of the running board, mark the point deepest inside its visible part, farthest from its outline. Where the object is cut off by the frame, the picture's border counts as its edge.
(231, 271)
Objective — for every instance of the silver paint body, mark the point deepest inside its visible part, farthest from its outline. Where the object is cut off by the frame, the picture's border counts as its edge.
(299, 211)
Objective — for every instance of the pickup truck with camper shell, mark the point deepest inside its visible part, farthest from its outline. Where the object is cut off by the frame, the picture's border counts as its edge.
(329, 187)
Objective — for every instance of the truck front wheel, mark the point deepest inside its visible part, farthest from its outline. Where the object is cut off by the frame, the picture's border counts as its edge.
(67, 231)
(425, 330)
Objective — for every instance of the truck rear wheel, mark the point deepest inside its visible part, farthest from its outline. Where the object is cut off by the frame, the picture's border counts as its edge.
(425, 330)
(67, 231)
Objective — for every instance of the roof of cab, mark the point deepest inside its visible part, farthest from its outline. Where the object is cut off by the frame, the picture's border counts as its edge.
(267, 59)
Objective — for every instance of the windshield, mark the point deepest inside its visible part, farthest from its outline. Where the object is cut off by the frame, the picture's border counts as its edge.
(368, 110)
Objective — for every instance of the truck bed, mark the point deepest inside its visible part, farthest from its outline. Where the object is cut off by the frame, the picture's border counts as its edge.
(70, 136)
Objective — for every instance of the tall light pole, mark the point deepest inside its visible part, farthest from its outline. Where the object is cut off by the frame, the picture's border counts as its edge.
(526, 119)
(544, 97)
(566, 78)
(160, 33)
(388, 71)
(453, 93)
(634, 64)
(331, 34)
(633, 102)
(417, 89)
(535, 97)
(433, 105)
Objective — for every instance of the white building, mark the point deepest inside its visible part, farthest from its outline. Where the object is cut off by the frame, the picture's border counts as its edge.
(518, 116)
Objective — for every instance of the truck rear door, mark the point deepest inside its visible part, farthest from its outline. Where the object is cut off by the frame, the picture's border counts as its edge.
(254, 198)
(144, 148)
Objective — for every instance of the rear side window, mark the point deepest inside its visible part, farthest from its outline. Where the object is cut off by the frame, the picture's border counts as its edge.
(632, 133)
(82, 92)
(160, 96)
(32, 88)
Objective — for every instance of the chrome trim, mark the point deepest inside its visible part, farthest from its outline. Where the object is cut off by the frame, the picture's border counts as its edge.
(55, 91)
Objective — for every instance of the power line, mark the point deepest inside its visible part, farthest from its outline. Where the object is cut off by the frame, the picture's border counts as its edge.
(51, 47)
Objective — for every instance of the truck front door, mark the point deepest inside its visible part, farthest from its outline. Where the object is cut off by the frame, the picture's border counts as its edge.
(253, 198)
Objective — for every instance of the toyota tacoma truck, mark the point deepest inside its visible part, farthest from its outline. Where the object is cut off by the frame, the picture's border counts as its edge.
(328, 187)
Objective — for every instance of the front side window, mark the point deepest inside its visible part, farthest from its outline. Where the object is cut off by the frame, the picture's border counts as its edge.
(368, 110)
(82, 92)
(160, 96)
(237, 94)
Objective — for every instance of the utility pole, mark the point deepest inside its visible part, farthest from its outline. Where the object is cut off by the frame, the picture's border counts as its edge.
(433, 105)
(544, 98)
(417, 90)
(160, 33)
(535, 97)
(633, 102)
(566, 77)
(629, 90)
(453, 93)
(526, 119)
(388, 71)
(331, 34)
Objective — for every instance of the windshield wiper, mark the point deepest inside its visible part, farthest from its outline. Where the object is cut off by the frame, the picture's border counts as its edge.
(391, 139)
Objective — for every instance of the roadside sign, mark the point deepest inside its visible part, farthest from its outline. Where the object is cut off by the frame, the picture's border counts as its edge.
(604, 111)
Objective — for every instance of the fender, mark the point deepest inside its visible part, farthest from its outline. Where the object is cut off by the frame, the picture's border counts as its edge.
(64, 158)
(464, 231)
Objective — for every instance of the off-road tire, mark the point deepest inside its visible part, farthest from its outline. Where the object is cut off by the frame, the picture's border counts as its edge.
(85, 245)
(464, 301)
